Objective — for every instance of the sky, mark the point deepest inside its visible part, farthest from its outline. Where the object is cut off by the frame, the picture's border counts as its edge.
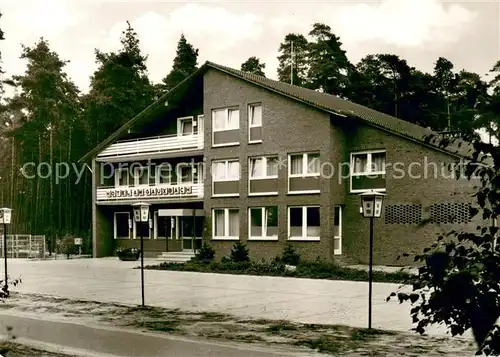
(228, 32)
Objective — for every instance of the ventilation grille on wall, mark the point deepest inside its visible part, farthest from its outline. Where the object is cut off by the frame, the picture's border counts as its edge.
(450, 213)
(403, 214)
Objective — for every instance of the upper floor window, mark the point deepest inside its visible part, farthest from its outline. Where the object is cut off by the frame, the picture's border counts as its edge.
(304, 164)
(255, 123)
(164, 174)
(141, 175)
(226, 119)
(265, 167)
(226, 170)
(225, 127)
(185, 126)
(367, 171)
(368, 163)
(122, 177)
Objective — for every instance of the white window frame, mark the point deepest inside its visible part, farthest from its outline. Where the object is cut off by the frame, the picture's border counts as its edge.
(226, 168)
(264, 163)
(226, 224)
(137, 178)
(250, 178)
(304, 236)
(119, 171)
(264, 224)
(369, 154)
(250, 125)
(193, 167)
(226, 128)
(115, 228)
(199, 123)
(305, 157)
(180, 124)
(158, 174)
(339, 236)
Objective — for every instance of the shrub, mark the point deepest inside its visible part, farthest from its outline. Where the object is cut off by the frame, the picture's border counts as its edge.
(290, 256)
(239, 253)
(67, 245)
(205, 254)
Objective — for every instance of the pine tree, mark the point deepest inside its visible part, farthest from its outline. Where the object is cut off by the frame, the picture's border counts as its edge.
(42, 115)
(253, 65)
(185, 63)
(120, 88)
(329, 66)
(298, 65)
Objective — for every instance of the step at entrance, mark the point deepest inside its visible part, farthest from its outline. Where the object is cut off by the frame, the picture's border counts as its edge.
(176, 257)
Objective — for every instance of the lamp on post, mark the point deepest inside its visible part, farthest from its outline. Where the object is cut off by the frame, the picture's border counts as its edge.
(5, 216)
(371, 207)
(141, 215)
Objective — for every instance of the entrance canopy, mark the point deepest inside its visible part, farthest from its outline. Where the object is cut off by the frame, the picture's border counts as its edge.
(180, 212)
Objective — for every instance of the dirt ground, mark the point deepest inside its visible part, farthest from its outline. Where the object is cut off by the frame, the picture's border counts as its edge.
(10, 349)
(335, 340)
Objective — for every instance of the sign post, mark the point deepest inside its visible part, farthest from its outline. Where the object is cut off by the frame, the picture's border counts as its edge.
(141, 215)
(371, 207)
(5, 216)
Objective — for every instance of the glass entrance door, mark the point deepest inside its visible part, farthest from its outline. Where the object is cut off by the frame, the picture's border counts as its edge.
(191, 232)
(168, 228)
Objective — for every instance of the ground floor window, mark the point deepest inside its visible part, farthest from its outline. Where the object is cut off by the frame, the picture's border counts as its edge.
(337, 230)
(142, 228)
(121, 225)
(263, 223)
(304, 223)
(163, 227)
(225, 223)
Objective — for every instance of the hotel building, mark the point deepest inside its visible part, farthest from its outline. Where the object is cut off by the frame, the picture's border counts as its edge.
(229, 156)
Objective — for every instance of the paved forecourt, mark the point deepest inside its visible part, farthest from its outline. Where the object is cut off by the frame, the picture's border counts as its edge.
(299, 300)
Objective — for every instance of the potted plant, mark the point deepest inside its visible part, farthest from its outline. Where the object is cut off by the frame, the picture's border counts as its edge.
(128, 254)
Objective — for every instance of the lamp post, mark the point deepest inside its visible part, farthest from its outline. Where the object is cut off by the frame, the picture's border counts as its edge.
(141, 215)
(5, 216)
(371, 207)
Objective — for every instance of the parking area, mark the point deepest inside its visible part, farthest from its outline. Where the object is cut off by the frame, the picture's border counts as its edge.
(300, 300)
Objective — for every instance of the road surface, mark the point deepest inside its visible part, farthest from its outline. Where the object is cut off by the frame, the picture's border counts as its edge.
(93, 341)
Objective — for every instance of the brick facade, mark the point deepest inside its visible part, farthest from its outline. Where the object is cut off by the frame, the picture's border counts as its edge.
(289, 126)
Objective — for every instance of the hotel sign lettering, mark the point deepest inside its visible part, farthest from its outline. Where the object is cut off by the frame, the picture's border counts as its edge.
(150, 192)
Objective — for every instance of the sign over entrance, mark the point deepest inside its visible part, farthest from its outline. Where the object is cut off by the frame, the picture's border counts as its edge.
(152, 192)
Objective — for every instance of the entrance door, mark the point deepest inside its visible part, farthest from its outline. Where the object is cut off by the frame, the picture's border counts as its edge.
(191, 232)
(168, 229)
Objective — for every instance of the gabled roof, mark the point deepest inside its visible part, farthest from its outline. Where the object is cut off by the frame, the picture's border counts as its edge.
(322, 101)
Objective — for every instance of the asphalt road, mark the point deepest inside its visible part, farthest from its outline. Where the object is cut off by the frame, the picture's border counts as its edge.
(112, 342)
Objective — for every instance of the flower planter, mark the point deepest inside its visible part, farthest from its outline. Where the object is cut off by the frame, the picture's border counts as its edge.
(128, 254)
